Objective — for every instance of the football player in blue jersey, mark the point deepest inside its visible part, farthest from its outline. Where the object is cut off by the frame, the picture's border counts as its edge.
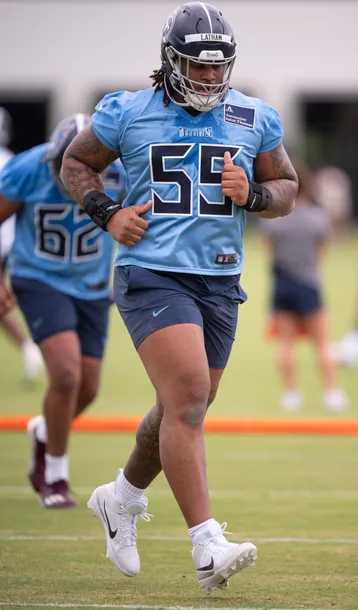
(60, 266)
(198, 157)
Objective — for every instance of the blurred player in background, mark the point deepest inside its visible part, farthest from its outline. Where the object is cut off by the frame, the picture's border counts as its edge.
(31, 355)
(346, 351)
(191, 150)
(296, 245)
(60, 267)
(333, 191)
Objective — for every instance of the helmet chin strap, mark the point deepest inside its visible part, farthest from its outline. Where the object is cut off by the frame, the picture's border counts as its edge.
(192, 99)
(198, 102)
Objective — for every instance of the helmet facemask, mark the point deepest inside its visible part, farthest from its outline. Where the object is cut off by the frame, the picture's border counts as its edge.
(197, 94)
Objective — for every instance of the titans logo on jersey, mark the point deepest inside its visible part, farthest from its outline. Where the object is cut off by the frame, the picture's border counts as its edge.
(176, 160)
(55, 240)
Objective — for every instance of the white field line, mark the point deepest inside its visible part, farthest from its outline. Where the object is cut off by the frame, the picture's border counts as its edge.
(286, 540)
(343, 494)
(128, 606)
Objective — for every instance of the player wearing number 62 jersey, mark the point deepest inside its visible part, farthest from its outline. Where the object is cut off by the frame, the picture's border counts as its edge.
(60, 265)
(197, 156)
(55, 240)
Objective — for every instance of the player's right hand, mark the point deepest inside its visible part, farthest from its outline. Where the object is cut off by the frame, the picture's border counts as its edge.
(126, 226)
(7, 300)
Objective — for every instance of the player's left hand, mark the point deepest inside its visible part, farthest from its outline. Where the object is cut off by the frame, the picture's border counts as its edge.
(234, 182)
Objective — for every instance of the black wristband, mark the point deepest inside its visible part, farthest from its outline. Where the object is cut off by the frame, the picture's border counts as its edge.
(260, 198)
(100, 208)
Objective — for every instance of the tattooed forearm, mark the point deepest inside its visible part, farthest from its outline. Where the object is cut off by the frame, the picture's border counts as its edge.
(84, 160)
(284, 192)
(144, 463)
(79, 179)
(275, 170)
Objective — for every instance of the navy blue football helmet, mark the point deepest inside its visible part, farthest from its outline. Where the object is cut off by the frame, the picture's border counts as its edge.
(60, 139)
(197, 32)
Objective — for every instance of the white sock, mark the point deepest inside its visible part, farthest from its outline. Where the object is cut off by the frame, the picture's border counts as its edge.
(124, 490)
(204, 530)
(56, 468)
(41, 430)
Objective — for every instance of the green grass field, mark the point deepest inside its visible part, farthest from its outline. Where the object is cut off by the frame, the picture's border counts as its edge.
(296, 496)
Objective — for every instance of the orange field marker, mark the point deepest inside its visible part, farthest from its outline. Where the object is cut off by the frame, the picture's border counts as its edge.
(218, 425)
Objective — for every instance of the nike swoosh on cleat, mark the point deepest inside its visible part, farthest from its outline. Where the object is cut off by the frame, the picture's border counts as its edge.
(210, 566)
(156, 313)
(112, 534)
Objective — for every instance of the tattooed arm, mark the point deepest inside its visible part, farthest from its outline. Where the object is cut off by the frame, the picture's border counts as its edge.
(83, 162)
(274, 170)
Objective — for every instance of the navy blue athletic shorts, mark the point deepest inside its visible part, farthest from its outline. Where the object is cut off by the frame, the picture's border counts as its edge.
(149, 300)
(294, 296)
(48, 311)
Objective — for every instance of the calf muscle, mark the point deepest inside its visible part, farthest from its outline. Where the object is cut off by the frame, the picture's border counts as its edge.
(144, 463)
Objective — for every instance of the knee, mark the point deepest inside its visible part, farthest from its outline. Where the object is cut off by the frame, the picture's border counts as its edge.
(195, 403)
(193, 416)
(65, 381)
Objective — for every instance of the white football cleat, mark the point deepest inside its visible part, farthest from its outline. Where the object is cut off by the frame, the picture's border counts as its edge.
(216, 560)
(119, 522)
(291, 401)
(335, 400)
(32, 360)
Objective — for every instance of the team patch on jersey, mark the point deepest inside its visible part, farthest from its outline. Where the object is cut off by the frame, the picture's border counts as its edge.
(239, 115)
(226, 259)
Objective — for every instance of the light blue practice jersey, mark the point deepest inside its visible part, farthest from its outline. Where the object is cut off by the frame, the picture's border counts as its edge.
(55, 240)
(176, 160)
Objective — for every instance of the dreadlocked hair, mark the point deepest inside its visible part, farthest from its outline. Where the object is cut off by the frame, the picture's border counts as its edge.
(158, 77)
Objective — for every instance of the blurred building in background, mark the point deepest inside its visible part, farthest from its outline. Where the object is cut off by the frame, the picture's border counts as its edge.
(59, 57)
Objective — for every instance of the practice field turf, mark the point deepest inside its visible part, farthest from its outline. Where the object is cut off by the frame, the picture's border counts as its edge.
(296, 497)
